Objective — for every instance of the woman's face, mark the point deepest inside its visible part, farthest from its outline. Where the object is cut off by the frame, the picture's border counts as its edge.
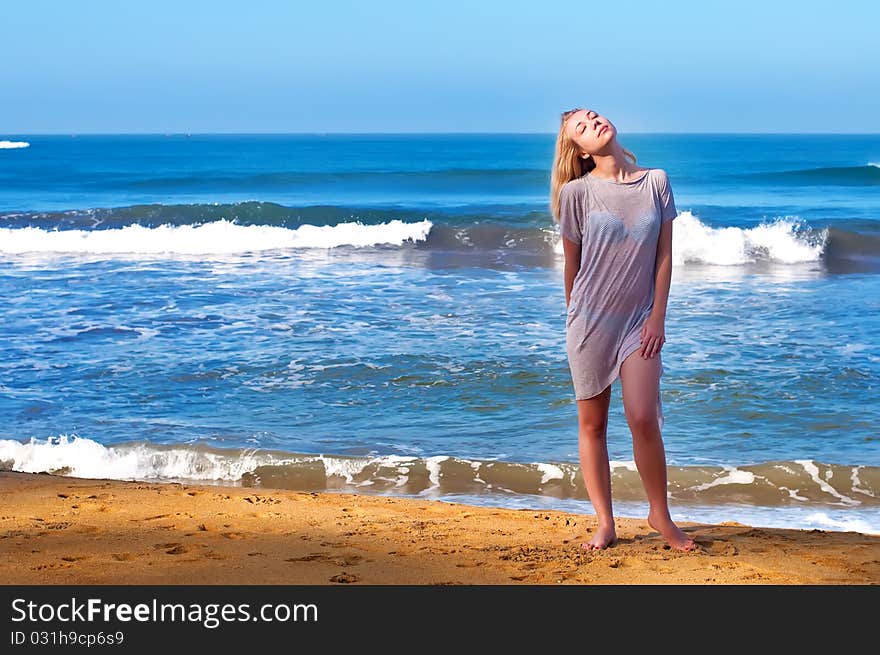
(590, 131)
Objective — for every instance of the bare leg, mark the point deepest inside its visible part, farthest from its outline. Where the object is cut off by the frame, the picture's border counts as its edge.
(640, 380)
(593, 450)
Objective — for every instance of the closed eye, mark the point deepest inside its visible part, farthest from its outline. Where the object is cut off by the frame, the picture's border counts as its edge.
(581, 126)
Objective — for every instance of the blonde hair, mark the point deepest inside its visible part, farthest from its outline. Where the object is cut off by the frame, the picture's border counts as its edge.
(568, 164)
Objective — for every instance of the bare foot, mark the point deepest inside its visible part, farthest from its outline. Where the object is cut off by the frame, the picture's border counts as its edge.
(603, 538)
(671, 532)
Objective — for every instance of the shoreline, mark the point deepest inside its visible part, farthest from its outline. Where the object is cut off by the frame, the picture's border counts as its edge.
(63, 530)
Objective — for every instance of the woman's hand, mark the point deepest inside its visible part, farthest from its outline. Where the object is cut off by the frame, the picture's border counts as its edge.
(653, 336)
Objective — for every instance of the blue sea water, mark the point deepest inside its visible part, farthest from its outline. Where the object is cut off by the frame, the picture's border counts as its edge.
(385, 313)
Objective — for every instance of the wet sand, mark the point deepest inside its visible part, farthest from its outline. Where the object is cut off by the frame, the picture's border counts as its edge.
(60, 530)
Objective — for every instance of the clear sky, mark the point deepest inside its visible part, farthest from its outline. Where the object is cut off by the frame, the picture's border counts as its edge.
(437, 66)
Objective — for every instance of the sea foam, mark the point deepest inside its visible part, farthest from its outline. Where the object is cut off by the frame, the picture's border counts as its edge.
(779, 241)
(217, 237)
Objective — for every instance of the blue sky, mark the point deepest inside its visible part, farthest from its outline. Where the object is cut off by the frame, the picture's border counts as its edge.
(450, 66)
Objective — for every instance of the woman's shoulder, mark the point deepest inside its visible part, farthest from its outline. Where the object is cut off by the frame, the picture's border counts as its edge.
(576, 184)
(656, 178)
(575, 188)
(657, 173)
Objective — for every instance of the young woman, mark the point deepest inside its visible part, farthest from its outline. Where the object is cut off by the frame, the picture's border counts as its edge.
(616, 225)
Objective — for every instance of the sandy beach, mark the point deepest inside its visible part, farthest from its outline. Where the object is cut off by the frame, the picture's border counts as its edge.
(61, 530)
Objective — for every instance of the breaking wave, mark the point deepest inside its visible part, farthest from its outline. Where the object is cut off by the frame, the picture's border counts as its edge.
(803, 483)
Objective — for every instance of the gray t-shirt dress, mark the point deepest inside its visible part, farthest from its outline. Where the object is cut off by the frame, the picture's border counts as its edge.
(617, 225)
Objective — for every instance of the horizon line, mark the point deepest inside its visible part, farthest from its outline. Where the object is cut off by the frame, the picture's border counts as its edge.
(449, 133)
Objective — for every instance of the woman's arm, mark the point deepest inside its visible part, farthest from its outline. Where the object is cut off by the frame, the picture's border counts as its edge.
(572, 252)
(663, 266)
(654, 331)
(570, 214)
(663, 269)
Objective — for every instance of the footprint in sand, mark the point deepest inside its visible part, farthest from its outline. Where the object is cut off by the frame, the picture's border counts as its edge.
(100, 497)
(716, 546)
(253, 500)
(201, 527)
(346, 559)
(173, 548)
(54, 566)
(725, 549)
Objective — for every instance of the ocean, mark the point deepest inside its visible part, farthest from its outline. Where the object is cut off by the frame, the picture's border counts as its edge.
(385, 314)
